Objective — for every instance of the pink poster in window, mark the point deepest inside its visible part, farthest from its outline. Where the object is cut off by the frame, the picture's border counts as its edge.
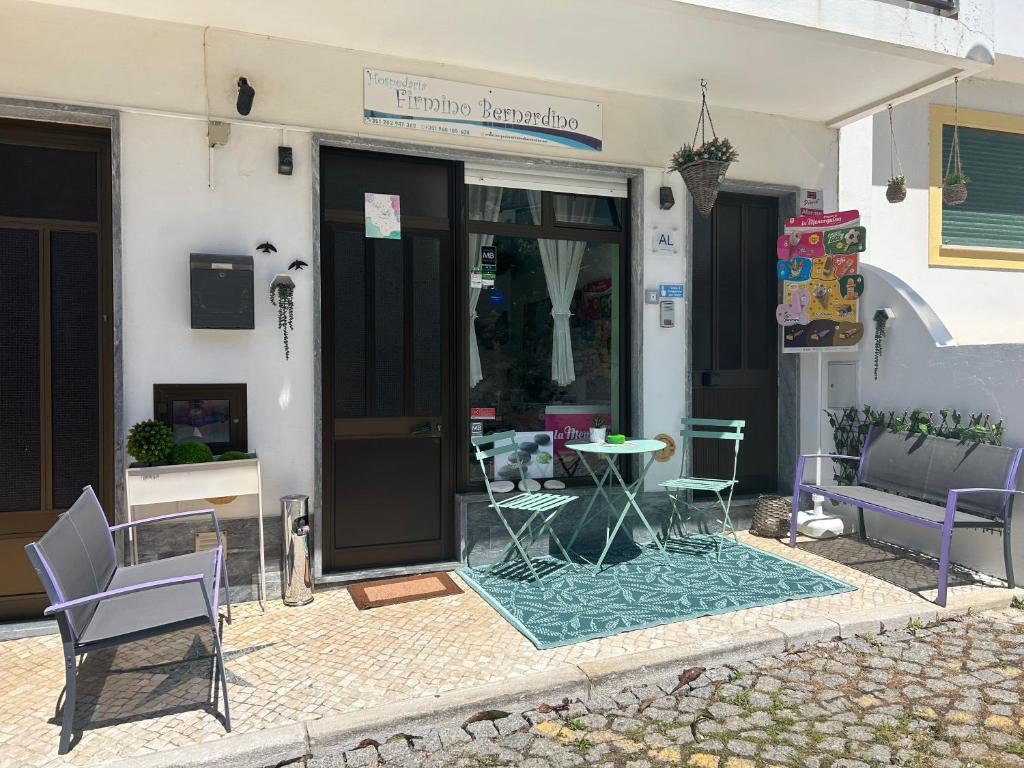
(571, 423)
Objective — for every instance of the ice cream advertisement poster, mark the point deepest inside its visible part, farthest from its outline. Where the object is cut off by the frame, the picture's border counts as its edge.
(821, 284)
(383, 216)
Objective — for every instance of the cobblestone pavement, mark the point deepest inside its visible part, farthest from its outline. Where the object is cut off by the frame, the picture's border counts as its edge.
(328, 659)
(944, 695)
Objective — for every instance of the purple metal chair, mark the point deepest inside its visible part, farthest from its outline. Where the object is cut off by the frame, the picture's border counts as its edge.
(98, 604)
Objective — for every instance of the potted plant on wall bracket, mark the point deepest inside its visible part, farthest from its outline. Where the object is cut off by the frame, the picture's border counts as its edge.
(896, 189)
(282, 296)
(954, 183)
(703, 166)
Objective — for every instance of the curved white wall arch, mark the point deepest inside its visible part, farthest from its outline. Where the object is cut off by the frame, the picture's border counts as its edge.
(928, 317)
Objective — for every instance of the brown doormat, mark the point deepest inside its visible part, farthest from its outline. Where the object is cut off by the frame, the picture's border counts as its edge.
(402, 589)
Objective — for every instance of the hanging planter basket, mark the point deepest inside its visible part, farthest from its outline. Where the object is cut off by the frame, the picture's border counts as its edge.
(954, 194)
(896, 191)
(703, 166)
(954, 183)
(704, 178)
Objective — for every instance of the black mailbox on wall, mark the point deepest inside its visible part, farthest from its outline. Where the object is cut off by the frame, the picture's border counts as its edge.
(222, 291)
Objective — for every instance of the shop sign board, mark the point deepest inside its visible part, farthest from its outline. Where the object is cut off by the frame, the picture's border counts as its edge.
(811, 202)
(665, 240)
(821, 286)
(447, 107)
(820, 221)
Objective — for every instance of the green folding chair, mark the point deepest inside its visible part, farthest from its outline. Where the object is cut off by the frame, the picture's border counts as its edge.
(680, 490)
(542, 508)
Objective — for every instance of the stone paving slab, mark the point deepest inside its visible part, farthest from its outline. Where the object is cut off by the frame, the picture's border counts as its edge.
(944, 694)
(330, 662)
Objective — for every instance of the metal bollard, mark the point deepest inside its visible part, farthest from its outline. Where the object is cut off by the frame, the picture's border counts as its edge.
(296, 551)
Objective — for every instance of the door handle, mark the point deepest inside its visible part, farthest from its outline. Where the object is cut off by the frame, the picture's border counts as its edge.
(422, 429)
(710, 379)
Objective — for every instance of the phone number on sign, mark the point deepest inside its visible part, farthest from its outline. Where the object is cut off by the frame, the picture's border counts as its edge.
(387, 123)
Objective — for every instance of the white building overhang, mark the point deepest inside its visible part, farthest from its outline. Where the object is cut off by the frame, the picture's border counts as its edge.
(826, 62)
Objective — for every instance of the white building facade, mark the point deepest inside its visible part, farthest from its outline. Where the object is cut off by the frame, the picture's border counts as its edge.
(957, 342)
(793, 85)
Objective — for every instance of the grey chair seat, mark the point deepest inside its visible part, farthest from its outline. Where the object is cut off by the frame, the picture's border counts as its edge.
(935, 513)
(144, 612)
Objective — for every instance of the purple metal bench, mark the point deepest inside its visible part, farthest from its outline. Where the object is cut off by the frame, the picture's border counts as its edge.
(935, 482)
(98, 604)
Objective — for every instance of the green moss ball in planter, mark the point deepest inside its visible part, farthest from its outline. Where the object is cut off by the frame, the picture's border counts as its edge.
(191, 452)
(233, 456)
(150, 441)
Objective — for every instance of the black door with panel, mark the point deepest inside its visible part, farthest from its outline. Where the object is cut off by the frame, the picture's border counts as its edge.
(387, 325)
(735, 337)
(56, 346)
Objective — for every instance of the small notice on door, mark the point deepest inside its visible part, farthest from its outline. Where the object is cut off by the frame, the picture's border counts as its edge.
(488, 265)
(383, 216)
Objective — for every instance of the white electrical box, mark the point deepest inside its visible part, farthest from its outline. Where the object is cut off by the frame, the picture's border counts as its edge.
(843, 384)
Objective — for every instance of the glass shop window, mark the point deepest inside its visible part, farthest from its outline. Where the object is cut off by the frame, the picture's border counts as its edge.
(586, 210)
(545, 317)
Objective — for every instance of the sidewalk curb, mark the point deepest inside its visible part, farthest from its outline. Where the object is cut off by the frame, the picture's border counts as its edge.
(244, 750)
(346, 731)
(608, 674)
(800, 633)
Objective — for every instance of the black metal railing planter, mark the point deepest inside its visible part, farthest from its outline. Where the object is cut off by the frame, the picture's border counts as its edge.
(850, 427)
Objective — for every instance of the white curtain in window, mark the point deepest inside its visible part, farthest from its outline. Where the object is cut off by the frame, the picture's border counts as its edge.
(485, 204)
(562, 260)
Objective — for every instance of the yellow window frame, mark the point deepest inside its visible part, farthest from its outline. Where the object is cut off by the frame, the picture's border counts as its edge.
(969, 257)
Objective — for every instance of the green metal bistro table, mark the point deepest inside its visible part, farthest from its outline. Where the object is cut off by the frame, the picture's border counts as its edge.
(612, 454)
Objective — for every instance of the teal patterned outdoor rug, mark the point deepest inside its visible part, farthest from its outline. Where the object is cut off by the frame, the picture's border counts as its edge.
(576, 603)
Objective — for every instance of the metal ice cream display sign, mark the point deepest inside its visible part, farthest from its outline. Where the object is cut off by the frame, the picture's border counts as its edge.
(821, 286)
(446, 107)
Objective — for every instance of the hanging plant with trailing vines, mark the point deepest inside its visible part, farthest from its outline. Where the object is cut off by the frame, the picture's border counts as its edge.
(881, 318)
(282, 296)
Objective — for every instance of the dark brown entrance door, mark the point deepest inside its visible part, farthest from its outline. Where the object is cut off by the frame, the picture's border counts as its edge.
(735, 338)
(387, 327)
(56, 408)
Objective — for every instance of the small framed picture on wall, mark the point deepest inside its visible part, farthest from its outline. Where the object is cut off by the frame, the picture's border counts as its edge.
(214, 414)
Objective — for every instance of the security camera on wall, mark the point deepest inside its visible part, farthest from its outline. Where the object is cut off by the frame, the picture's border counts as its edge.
(246, 95)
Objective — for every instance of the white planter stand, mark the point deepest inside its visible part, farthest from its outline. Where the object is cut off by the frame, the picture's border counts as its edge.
(191, 482)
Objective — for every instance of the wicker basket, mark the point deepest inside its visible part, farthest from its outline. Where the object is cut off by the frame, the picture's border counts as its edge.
(771, 516)
(954, 194)
(896, 193)
(703, 178)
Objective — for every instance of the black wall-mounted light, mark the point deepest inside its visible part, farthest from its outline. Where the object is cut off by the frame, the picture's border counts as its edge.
(246, 94)
(665, 198)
